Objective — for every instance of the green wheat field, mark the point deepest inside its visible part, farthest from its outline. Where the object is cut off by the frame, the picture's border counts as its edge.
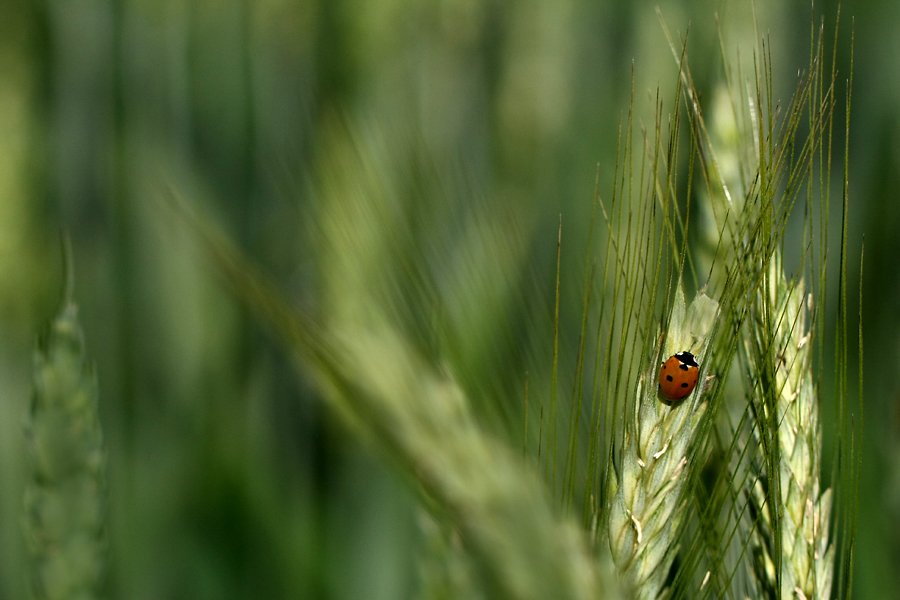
(344, 299)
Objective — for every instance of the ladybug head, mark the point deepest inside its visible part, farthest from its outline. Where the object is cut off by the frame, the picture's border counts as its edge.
(687, 358)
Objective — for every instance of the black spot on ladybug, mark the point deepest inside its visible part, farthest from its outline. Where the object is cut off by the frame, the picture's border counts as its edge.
(684, 367)
(684, 385)
(668, 378)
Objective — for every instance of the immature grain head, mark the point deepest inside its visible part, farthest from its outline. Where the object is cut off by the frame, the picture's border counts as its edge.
(786, 388)
(648, 505)
(65, 496)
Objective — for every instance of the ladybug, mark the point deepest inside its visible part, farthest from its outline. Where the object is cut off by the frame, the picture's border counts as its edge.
(678, 376)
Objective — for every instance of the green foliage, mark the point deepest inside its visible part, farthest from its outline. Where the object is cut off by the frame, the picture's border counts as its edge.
(393, 380)
(433, 260)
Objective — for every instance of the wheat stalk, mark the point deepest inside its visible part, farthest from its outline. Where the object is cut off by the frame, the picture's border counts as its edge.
(792, 515)
(648, 506)
(65, 497)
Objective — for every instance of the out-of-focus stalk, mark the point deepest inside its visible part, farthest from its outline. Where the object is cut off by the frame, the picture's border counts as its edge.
(65, 502)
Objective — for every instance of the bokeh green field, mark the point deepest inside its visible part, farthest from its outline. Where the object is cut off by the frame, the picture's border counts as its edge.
(227, 478)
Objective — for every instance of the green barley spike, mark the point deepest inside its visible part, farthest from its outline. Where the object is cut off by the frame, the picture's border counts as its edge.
(647, 512)
(807, 556)
(65, 494)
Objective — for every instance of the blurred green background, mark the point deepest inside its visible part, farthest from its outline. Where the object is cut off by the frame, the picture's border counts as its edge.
(227, 479)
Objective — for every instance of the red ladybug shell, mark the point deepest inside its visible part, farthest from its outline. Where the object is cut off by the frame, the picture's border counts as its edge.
(678, 376)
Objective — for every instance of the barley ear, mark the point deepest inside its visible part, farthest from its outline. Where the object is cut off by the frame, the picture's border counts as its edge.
(648, 505)
(65, 493)
(807, 560)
